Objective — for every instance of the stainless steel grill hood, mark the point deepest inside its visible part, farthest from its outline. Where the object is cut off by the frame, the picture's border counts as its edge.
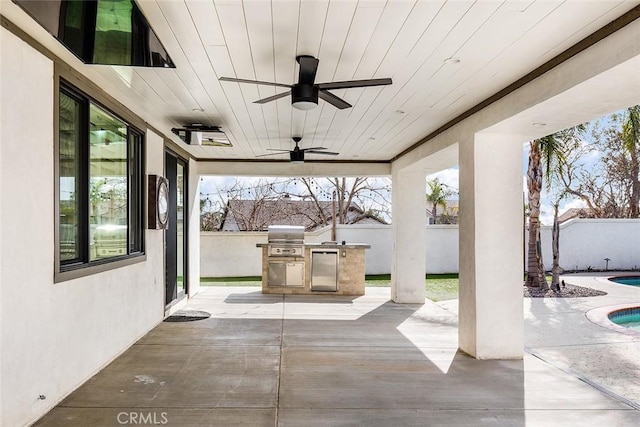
(286, 234)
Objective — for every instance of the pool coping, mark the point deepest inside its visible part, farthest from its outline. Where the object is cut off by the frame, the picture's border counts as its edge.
(600, 316)
(607, 278)
(633, 276)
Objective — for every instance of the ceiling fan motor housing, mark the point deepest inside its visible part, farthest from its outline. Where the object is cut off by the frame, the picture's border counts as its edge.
(302, 94)
(296, 156)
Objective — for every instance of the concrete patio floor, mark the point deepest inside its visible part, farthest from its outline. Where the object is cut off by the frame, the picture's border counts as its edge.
(271, 360)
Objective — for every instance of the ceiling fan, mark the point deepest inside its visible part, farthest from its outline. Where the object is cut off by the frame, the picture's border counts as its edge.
(305, 93)
(297, 154)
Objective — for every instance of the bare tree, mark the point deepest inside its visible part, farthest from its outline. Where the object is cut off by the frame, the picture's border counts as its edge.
(612, 188)
(567, 166)
(355, 198)
(211, 214)
(254, 207)
(256, 203)
(631, 146)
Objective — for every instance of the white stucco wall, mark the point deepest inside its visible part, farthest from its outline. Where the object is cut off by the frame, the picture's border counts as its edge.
(230, 254)
(587, 242)
(584, 242)
(442, 249)
(378, 258)
(55, 336)
(441, 246)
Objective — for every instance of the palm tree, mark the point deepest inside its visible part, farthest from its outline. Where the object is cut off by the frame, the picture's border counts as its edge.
(535, 268)
(547, 158)
(631, 144)
(438, 195)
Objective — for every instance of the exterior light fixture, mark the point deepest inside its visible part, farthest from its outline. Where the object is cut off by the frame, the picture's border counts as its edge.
(304, 105)
(304, 97)
(199, 134)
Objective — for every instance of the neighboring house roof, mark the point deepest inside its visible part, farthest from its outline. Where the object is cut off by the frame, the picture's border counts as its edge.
(575, 213)
(258, 215)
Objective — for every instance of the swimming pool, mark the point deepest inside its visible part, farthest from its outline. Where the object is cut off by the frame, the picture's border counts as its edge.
(622, 318)
(626, 280)
(626, 317)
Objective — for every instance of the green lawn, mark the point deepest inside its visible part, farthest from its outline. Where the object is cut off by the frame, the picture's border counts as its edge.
(439, 287)
(231, 281)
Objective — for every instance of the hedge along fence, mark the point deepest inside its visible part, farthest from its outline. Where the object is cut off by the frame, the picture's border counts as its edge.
(584, 243)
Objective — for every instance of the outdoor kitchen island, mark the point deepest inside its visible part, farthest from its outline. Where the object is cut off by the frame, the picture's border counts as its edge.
(289, 266)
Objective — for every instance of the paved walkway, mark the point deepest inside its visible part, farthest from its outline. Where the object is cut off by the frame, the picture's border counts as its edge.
(558, 331)
(269, 360)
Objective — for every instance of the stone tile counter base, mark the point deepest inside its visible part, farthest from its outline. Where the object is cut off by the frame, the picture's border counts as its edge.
(351, 270)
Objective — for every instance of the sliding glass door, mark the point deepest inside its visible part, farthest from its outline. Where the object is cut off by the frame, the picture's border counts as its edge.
(176, 235)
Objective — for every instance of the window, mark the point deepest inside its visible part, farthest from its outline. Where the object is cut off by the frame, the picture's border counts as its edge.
(100, 184)
(112, 32)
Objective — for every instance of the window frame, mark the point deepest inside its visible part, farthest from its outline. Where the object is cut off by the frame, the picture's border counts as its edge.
(82, 265)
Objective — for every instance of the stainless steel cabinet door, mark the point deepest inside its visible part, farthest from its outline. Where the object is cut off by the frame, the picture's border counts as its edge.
(295, 274)
(282, 273)
(277, 274)
(324, 271)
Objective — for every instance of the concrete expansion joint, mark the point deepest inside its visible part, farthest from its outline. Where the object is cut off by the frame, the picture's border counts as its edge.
(277, 402)
(593, 344)
(599, 387)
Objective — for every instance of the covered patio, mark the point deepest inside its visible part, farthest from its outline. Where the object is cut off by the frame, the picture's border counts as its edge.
(472, 82)
(265, 360)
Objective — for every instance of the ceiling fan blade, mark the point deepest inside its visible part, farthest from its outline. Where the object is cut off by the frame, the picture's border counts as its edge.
(354, 83)
(272, 98)
(308, 68)
(256, 82)
(313, 148)
(272, 154)
(333, 100)
(329, 153)
(278, 149)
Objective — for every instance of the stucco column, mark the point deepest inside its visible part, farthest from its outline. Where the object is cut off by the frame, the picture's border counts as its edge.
(408, 265)
(491, 263)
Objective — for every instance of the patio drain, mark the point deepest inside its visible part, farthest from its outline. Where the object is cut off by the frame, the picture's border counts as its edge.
(187, 316)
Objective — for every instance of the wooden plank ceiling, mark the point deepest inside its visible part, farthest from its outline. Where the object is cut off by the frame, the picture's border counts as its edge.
(492, 43)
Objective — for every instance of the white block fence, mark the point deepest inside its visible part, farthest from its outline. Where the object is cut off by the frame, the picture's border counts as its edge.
(229, 254)
(583, 243)
(586, 243)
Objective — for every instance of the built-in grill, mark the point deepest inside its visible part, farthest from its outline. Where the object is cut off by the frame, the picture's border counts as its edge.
(286, 240)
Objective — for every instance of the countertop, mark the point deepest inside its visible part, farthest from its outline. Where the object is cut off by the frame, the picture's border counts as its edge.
(328, 245)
